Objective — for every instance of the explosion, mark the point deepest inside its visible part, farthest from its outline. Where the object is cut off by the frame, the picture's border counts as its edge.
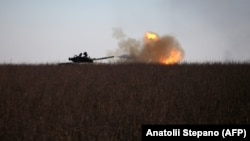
(149, 36)
(165, 49)
(153, 49)
(175, 56)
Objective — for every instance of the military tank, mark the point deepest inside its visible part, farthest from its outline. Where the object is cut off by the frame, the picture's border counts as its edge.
(84, 58)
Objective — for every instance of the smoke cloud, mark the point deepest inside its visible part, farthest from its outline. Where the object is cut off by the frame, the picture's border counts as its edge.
(155, 49)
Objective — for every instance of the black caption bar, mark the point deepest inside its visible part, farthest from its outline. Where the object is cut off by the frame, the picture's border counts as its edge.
(195, 132)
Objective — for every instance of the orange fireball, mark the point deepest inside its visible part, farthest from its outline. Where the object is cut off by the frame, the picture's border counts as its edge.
(150, 37)
(173, 57)
(162, 52)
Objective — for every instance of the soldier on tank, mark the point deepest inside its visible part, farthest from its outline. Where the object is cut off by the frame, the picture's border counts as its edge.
(80, 55)
(85, 54)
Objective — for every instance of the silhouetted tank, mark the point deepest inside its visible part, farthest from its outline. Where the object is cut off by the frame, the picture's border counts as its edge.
(85, 58)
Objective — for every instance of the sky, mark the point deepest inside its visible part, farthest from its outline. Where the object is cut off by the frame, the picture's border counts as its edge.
(50, 31)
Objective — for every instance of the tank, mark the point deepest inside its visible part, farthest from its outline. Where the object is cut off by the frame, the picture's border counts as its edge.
(84, 58)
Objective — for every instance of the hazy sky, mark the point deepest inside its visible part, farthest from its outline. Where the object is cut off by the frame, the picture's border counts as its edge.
(41, 31)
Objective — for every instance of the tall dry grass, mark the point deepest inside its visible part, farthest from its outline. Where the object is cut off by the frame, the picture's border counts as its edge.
(111, 102)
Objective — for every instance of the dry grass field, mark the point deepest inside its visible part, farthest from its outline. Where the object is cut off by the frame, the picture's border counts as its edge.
(97, 102)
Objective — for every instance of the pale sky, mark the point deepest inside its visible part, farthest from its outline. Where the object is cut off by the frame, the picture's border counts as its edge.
(50, 31)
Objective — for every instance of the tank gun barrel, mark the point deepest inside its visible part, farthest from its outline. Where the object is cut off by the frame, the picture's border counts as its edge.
(94, 59)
